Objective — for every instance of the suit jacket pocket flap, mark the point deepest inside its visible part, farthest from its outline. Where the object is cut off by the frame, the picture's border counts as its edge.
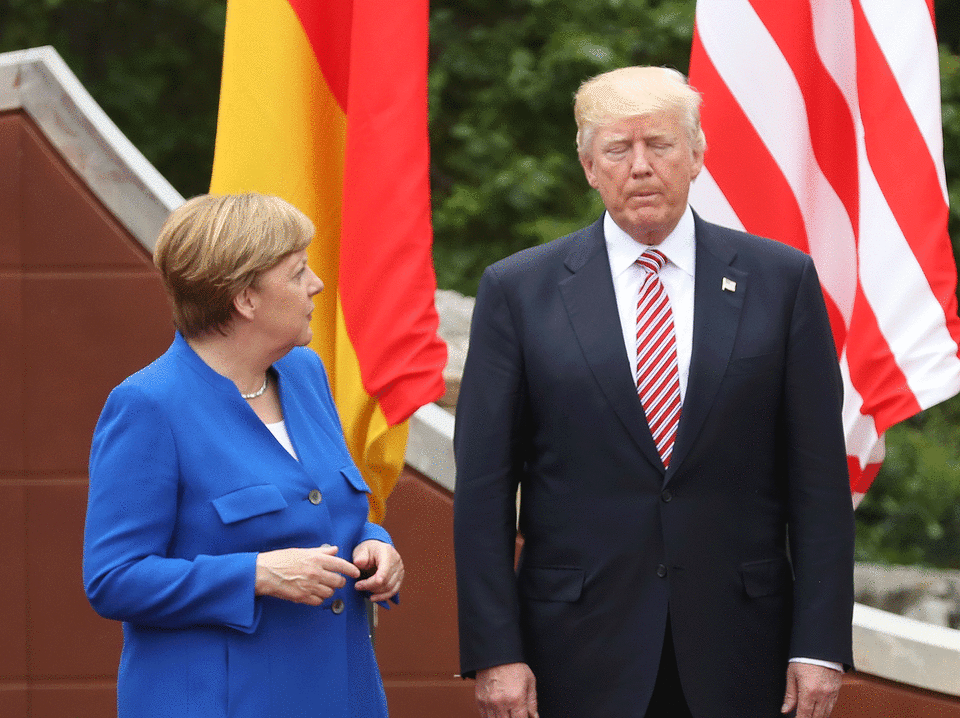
(759, 364)
(551, 583)
(355, 478)
(766, 578)
(248, 502)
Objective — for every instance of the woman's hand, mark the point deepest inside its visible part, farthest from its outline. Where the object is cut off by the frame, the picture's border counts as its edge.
(302, 575)
(381, 562)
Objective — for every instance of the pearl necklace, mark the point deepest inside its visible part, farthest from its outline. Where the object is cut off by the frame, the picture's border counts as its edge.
(258, 392)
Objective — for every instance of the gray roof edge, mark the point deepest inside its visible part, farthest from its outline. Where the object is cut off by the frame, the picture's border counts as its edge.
(38, 82)
(906, 650)
(430, 445)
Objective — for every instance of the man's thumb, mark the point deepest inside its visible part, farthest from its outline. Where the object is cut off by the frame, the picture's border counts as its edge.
(790, 696)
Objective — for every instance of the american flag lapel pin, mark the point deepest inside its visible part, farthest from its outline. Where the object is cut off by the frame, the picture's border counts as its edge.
(728, 285)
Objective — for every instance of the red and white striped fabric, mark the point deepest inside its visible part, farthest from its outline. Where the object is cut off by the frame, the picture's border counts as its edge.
(823, 129)
(658, 376)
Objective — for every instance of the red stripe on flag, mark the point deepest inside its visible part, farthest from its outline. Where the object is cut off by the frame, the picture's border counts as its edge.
(374, 58)
(880, 382)
(329, 29)
(874, 372)
(860, 479)
(904, 170)
(387, 284)
(735, 167)
(832, 133)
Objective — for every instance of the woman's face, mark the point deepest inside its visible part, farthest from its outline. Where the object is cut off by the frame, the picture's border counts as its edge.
(284, 300)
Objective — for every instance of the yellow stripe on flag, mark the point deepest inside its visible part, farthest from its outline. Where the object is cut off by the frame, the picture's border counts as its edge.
(280, 131)
(377, 448)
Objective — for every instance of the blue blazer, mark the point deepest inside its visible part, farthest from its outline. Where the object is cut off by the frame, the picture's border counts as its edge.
(187, 485)
(613, 542)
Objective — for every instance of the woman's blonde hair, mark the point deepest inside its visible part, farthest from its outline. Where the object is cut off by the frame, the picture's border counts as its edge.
(634, 91)
(212, 247)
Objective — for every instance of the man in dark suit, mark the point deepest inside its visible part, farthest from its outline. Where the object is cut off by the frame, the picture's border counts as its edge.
(672, 420)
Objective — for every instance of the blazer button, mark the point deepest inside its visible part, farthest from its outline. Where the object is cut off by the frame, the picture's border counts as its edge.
(337, 606)
(661, 570)
(315, 497)
(666, 496)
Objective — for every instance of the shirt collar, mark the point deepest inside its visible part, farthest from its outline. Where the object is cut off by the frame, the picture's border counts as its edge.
(679, 246)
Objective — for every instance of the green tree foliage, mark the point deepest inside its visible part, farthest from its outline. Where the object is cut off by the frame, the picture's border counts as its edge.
(504, 170)
(152, 65)
(911, 514)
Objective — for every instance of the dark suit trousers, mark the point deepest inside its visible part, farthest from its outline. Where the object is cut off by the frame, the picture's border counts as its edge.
(667, 700)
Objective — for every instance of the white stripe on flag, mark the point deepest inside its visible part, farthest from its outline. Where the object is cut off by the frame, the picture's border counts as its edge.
(915, 64)
(782, 125)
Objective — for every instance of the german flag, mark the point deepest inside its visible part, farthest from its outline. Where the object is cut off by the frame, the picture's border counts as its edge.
(324, 103)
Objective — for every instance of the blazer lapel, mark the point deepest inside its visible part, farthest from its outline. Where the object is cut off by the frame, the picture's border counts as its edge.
(718, 295)
(592, 307)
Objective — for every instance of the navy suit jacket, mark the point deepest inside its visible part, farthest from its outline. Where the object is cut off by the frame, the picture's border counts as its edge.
(746, 540)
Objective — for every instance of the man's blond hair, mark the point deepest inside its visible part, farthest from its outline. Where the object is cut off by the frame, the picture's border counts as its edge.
(632, 92)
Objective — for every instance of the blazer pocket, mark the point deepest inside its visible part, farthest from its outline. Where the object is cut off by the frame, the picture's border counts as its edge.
(759, 364)
(551, 583)
(353, 476)
(769, 577)
(249, 502)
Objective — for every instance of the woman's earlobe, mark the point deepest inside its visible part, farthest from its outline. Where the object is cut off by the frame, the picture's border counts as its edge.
(245, 303)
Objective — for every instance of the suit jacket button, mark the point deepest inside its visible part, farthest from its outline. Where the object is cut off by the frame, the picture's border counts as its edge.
(315, 497)
(661, 570)
(337, 606)
(666, 496)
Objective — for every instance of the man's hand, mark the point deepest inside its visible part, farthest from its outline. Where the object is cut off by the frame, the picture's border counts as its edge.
(507, 691)
(811, 689)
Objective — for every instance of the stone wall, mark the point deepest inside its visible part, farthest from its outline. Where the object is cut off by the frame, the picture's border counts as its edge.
(928, 595)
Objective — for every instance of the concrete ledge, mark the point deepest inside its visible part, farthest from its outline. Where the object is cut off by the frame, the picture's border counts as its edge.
(905, 650)
(430, 446)
(39, 83)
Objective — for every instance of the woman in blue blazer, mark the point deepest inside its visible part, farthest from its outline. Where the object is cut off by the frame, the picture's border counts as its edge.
(227, 524)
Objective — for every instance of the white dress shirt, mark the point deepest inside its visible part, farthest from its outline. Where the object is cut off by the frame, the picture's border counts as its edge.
(677, 276)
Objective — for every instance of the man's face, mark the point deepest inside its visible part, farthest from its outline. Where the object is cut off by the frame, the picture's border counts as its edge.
(642, 167)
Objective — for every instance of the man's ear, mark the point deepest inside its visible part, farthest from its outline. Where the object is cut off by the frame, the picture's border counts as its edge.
(696, 164)
(586, 161)
(245, 303)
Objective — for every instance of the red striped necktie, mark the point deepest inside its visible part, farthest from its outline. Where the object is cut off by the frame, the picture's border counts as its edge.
(658, 377)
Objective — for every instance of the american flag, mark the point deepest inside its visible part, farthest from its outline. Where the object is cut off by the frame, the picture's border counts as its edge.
(823, 128)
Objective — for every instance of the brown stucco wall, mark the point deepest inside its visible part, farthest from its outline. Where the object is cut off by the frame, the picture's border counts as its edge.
(80, 308)
(417, 641)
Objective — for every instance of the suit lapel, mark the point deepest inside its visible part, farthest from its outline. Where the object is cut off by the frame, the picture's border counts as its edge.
(717, 306)
(592, 307)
